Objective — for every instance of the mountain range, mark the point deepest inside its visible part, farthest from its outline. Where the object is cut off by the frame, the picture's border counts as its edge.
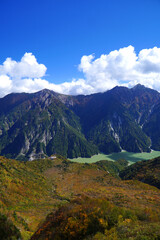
(46, 123)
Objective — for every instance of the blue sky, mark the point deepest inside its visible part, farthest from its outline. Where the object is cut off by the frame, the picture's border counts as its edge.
(60, 32)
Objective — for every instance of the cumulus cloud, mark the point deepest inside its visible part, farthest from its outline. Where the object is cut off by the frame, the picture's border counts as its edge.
(119, 67)
(27, 67)
(5, 85)
(122, 67)
(22, 76)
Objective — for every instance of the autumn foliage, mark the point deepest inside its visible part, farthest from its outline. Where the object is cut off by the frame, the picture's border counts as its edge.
(92, 218)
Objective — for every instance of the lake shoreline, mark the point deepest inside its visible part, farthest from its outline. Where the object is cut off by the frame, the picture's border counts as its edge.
(129, 156)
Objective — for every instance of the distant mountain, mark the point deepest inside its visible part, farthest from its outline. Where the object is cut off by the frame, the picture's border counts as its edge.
(144, 171)
(45, 123)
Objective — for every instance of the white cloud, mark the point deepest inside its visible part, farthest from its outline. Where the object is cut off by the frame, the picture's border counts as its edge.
(23, 76)
(27, 67)
(119, 67)
(149, 60)
(5, 85)
(122, 67)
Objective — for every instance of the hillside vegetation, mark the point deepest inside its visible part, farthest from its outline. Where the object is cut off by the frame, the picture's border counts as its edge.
(145, 171)
(25, 195)
(29, 191)
(97, 219)
(7, 229)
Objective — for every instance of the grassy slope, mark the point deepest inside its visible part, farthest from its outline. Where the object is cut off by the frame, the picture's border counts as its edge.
(29, 191)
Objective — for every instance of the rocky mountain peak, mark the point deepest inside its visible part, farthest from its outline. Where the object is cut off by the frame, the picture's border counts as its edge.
(138, 87)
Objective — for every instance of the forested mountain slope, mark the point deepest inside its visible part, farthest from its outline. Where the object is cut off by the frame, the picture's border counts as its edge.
(45, 123)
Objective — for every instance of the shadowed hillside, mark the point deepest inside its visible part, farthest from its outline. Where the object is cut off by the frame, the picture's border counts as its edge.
(145, 171)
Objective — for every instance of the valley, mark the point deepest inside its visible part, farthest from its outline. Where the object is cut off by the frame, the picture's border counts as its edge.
(55, 183)
(79, 120)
